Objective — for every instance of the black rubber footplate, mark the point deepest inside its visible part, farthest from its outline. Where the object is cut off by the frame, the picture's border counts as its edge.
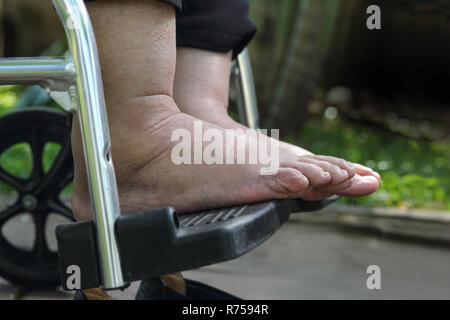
(159, 242)
(299, 205)
(167, 243)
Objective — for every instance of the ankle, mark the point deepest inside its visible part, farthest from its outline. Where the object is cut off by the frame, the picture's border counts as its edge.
(211, 111)
(131, 126)
(140, 114)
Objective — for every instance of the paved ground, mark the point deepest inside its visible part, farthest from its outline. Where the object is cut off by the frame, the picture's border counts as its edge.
(309, 261)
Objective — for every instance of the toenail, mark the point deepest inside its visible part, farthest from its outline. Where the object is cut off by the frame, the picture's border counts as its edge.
(370, 179)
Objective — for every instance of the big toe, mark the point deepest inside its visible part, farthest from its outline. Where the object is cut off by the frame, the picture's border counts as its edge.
(365, 171)
(361, 186)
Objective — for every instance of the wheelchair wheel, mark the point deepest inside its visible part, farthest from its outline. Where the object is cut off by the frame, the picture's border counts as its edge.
(37, 195)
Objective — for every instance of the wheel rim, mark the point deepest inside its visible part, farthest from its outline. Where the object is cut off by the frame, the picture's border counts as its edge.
(39, 194)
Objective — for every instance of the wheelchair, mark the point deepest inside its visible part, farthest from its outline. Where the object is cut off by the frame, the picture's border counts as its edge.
(112, 250)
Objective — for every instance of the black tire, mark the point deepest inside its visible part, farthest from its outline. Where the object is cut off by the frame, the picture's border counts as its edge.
(35, 126)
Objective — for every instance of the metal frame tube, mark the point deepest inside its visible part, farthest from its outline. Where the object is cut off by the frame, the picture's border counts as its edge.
(95, 135)
(36, 71)
(247, 104)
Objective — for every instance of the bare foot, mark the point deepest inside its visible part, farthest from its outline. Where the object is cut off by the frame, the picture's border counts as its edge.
(148, 178)
(359, 180)
(201, 89)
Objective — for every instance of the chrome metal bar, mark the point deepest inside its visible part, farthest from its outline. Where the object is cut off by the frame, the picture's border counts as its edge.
(95, 135)
(248, 104)
(44, 71)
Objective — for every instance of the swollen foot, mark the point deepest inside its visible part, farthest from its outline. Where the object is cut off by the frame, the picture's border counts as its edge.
(360, 181)
(146, 142)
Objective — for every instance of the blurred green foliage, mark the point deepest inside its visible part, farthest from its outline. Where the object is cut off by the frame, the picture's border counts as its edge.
(17, 160)
(288, 55)
(415, 173)
(9, 97)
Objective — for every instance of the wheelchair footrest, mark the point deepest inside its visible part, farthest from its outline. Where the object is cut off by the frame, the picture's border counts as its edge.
(159, 242)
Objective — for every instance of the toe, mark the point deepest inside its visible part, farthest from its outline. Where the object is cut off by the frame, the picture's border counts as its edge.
(341, 163)
(338, 175)
(315, 174)
(365, 171)
(361, 186)
(335, 189)
(288, 180)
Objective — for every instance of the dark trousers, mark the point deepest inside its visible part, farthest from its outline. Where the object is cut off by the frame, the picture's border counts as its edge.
(214, 25)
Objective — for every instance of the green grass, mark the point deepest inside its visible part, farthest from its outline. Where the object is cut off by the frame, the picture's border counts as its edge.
(415, 174)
